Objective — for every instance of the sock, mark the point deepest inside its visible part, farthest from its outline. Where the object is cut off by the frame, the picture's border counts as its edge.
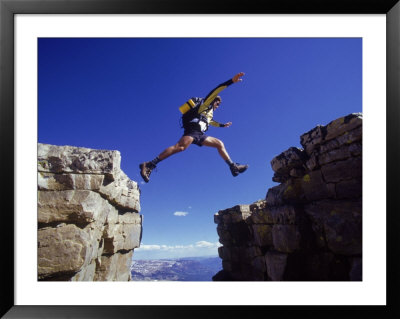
(229, 162)
(156, 160)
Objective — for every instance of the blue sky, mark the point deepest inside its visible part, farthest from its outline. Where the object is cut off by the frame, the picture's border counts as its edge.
(124, 94)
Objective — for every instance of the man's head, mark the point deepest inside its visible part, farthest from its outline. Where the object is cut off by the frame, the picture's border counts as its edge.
(216, 102)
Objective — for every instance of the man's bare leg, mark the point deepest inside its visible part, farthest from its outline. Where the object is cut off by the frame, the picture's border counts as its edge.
(219, 145)
(181, 145)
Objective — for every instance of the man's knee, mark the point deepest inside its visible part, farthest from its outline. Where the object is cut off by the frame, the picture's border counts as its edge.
(220, 144)
(180, 147)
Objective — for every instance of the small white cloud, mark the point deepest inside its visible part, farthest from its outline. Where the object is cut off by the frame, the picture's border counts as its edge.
(204, 244)
(190, 207)
(149, 247)
(199, 244)
(200, 248)
(163, 247)
(180, 213)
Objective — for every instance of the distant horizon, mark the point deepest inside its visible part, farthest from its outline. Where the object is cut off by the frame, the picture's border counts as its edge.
(199, 249)
(178, 258)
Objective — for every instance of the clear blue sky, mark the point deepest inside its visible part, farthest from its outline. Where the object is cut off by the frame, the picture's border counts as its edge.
(124, 94)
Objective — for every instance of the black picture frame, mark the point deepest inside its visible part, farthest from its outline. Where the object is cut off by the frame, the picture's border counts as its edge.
(8, 8)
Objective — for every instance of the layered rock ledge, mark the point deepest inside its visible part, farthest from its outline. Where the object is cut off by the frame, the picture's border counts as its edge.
(88, 215)
(309, 227)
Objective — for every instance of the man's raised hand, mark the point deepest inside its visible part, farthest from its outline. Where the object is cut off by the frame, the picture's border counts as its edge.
(237, 77)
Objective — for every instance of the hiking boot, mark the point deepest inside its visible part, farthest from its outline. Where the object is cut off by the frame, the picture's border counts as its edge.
(236, 168)
(145, 170)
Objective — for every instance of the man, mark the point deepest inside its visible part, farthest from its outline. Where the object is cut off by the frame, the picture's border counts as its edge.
(194, 133)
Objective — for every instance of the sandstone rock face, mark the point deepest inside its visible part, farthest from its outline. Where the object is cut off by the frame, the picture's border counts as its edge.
(88, 215)
(309, 227)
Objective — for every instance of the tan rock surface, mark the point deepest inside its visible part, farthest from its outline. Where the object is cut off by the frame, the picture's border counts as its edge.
(88, 215)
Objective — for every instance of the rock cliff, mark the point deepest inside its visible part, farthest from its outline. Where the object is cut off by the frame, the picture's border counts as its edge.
(309, 227)
(88, 215)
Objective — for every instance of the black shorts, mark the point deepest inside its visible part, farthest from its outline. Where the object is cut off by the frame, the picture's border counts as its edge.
(193, 130)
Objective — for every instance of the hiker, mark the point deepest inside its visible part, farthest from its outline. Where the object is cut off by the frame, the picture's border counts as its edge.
(195, 123)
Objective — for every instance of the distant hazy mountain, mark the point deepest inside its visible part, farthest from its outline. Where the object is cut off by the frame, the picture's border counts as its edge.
(183, 269)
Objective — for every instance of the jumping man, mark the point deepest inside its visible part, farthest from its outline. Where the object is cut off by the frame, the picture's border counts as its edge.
(194, 133)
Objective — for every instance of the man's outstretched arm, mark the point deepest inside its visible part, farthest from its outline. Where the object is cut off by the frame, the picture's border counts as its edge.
(211, 96)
